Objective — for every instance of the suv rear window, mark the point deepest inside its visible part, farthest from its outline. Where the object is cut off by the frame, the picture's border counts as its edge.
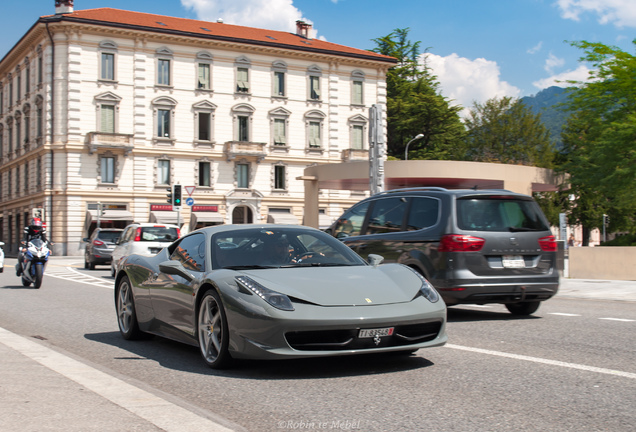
(499, 214)
(111, 236)
(158, 233)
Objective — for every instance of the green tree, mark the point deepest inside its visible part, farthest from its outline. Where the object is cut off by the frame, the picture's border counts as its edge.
(415, 105)
(504, 130)
(600, 140)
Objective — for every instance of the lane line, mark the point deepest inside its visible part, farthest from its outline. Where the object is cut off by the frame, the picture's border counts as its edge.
(564, 314)
(161, 413)
(618, 319)
(544, 361)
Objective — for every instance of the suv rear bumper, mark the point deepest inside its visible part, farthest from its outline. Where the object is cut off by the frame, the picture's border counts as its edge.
(456, 292)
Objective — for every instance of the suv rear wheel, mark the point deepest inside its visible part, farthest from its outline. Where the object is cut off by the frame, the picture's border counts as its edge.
(524, 308)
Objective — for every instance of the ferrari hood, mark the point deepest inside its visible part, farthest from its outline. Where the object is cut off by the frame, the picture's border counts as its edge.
(342, 286)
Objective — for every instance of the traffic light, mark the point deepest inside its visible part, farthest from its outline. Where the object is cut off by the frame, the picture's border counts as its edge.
(176, 195)
(169, 195)
(606, 220)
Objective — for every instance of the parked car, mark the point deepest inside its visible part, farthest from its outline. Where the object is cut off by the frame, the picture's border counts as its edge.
(99, 246)
(474, 246)
(143, 239)
(274, 292)
(1, 257)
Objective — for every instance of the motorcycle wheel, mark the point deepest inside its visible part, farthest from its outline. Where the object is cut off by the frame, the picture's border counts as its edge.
(39, 274)
(25, 282)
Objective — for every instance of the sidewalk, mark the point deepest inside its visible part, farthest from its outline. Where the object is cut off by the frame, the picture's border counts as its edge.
(36, 396)
(600, 289)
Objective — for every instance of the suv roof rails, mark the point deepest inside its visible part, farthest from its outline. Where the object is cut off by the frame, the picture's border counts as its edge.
(415, 189)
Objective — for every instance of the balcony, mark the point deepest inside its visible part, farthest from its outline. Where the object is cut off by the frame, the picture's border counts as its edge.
(245, 149)
(110, 141)
(350, 155)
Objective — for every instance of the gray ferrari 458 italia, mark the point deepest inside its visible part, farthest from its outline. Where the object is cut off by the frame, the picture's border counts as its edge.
(275, 291)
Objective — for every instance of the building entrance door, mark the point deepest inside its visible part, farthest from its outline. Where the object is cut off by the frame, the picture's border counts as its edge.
(242, 215)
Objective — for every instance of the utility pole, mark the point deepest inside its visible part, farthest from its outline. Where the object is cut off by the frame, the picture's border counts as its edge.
(376, 150)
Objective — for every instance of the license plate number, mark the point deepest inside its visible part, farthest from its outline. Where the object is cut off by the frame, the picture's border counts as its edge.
(369, 333)
(513, 261)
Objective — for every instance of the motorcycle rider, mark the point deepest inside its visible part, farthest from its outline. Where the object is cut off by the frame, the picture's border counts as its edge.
(34, 231)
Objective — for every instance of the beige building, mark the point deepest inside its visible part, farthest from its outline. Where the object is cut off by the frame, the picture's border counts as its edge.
(110, 106)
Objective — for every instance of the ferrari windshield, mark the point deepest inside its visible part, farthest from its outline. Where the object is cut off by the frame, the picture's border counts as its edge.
(258, 248)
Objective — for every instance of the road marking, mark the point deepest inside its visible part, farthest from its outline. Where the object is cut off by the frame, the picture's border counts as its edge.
(545, 361)
(161, 413)
(564, 314)
(618, 319)
(69, 273)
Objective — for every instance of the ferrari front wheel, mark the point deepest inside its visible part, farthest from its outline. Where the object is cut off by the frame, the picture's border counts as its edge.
(213, 331)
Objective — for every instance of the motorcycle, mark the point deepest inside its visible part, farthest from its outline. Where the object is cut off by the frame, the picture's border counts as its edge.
(33, 263)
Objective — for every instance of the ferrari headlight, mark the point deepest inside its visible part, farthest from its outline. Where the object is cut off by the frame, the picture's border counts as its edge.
(428, 291)
(276, 299)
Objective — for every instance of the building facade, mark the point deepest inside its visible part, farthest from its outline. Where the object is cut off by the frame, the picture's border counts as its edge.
(106, 107)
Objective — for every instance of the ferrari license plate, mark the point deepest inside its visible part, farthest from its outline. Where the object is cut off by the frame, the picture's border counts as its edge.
(513, 261)
(369, 333)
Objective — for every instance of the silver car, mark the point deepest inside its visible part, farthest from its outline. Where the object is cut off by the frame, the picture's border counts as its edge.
(274, 292)
(144, 239)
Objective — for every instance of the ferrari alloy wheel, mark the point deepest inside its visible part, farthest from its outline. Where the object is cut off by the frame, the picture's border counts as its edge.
(213, 333)
(126, 316)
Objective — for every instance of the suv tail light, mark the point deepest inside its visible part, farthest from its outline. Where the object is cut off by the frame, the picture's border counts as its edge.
(548, 244)
(138, 234)
(178, 233)
(460, 243)
(98, 242)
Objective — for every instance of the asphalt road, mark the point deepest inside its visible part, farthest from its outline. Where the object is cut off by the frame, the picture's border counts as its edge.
(570, 367)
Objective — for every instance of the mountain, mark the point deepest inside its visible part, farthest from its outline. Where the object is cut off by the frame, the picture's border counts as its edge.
(546, 103)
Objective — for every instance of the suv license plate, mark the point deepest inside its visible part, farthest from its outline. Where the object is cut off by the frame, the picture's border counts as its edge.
(369, 333)
(513, 261)
(154, 250)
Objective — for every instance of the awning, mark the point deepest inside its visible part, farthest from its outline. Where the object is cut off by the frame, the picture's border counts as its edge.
(113, 215)
(109, 215)
(282, 218)
(164, 217)
(206, 218)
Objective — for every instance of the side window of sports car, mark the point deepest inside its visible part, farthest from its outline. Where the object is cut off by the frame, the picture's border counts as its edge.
(191, 252)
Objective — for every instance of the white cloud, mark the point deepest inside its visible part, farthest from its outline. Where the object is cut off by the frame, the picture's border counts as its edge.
(553, 62)
(621, 13)
(272, 14)
(579, 74)
(466, 81)
(535, 49)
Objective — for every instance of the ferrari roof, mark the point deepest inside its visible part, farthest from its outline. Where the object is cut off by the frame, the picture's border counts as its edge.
(212, 30)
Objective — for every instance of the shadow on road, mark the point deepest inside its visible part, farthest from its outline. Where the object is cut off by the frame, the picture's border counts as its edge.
(457, 314)
(186, 358)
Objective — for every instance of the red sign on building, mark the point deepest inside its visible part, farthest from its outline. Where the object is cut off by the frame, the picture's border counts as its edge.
(160, 207)
(205, 208)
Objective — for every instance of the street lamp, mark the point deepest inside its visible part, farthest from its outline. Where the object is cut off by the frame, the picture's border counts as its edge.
(406, 150)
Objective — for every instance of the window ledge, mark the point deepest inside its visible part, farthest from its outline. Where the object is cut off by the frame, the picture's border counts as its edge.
(163, 87)
(203, 90)
(163, 141)
(107, 81)
(316, 150)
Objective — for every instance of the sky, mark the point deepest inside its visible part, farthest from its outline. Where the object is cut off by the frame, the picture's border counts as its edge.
(478, 49)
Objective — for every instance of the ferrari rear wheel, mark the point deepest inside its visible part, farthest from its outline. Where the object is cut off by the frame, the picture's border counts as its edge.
(126, 315)
(213, 331)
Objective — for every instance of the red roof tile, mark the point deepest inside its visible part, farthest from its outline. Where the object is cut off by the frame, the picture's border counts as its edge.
(214, 30)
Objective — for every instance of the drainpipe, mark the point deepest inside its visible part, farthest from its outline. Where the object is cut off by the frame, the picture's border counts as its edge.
(52, 127)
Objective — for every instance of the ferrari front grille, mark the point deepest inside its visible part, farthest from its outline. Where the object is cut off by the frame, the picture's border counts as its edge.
(343, 339)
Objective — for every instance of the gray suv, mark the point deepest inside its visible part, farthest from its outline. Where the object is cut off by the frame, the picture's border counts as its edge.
(474, 246)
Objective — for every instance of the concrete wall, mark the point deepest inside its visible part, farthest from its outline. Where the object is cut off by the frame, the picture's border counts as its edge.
(617, 262)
